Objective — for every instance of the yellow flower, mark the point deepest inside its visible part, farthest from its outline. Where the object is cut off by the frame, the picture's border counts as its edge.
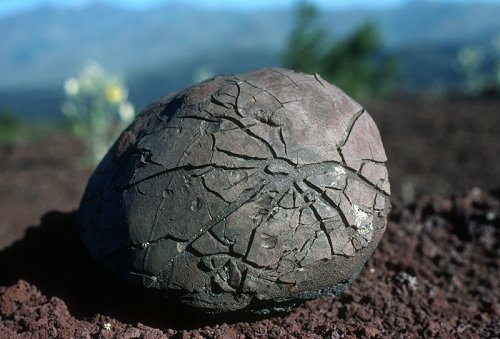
(115, 94)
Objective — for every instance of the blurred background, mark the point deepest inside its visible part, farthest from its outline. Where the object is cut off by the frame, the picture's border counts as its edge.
(74, 73)
(436, 46)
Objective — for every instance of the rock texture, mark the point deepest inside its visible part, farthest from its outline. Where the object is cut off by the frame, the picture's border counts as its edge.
(249, 191)
(433, 275)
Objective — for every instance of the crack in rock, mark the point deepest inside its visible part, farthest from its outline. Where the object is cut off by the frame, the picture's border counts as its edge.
(244, 192)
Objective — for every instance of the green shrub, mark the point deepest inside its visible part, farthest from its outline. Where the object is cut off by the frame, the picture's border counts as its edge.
(479, 68)
(10, 127)
(356, 63)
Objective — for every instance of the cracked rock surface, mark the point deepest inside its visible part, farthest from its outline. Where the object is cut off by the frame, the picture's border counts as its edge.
(249, 191)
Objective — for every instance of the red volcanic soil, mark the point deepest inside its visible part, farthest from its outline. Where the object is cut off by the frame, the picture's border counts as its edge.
(435, 273)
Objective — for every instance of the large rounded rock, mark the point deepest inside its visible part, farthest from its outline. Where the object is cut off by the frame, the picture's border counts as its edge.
(244, 192)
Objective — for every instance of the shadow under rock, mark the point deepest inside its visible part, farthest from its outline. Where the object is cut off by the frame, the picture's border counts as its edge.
(51, 257)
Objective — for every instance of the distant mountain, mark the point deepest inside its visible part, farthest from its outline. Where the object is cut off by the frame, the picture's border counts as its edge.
(159, 50)
(46, 45)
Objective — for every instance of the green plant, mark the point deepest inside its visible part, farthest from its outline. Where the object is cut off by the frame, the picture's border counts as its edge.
(355, 63)
(14, 130)
(10, 127)
(97, 108)
(470, 61)
(479, 67)
(305, 44)
(496, 66)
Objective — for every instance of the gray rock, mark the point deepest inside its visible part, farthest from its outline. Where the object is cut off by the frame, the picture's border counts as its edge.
(244, 192)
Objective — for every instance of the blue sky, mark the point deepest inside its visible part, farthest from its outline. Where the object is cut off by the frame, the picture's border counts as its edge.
(16, 5)
(10, 6)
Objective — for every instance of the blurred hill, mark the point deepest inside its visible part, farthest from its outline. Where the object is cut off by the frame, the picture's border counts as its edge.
(164, 49)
